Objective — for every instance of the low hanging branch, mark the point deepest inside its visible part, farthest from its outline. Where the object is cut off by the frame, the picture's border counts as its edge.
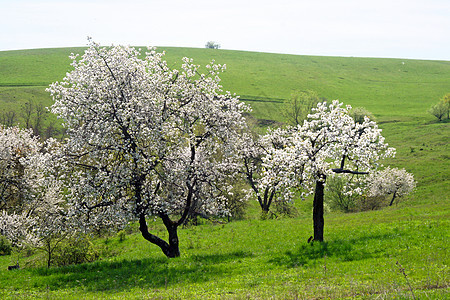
(340, 170)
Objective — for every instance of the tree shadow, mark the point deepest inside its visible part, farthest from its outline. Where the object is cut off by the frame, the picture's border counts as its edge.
(309, 255)
(145, 273)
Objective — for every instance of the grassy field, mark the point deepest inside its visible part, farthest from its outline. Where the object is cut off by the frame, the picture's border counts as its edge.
(262, 259)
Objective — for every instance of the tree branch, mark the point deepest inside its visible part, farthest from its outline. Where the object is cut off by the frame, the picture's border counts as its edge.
(340, 170)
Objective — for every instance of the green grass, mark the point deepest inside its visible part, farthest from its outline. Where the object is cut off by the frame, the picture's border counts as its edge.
(262, 259)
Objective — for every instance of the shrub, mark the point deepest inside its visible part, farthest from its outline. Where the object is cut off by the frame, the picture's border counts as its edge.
(285, 209)
(121, 235)
(237, 201)
(5, 246)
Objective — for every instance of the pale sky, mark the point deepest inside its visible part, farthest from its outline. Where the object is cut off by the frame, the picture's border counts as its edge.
(380, 28)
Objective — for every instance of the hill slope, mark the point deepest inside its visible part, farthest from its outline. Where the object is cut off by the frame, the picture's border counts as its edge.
(390, 88)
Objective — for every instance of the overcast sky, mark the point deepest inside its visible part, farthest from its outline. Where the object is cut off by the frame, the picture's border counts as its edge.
(380, 28)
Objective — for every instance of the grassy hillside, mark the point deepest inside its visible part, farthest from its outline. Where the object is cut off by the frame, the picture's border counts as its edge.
(262, 259)
(391, 88)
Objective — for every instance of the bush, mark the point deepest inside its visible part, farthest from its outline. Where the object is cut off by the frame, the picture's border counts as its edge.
(335, 195)
(284, 209)
(237, 201)
(122, 235)
(5, 246)
(76, 250)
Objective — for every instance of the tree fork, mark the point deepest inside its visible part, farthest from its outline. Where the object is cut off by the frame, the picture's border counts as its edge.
(170, 249)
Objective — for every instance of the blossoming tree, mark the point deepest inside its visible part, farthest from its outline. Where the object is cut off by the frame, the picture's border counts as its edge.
(391, 181)
(329, 142)
(146, 140)
(32, 211)
(252, 150)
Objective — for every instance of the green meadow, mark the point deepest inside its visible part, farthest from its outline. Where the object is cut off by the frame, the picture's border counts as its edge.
(399, 252)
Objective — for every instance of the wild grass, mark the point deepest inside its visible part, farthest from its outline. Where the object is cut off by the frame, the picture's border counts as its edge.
(261, 259)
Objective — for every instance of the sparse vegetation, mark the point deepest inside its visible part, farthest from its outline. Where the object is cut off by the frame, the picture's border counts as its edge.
(299, 105)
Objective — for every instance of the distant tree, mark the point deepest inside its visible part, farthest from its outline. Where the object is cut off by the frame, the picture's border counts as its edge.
(8, 118)
(252, 150)
(34, 116)
(212, 45)
(441, 109)
(146, 141)
(446, 101)
(299, 105)
(27, 113)
(40, 113)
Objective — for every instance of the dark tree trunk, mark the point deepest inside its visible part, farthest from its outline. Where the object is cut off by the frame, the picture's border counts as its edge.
(393, 197)
(267, 199)
(170, 249)
(49, 257)
(318, 221)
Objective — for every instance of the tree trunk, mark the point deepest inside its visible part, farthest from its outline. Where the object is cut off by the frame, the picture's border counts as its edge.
(318, 221)
(174, 249)
(264, 208)
(49, 257)
(393, 197)
(170, 249)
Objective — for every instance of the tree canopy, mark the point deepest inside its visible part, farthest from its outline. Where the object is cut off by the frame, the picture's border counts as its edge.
(146, 140)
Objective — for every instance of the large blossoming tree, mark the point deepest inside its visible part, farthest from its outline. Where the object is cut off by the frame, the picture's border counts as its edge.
(329, 143)
(146, 140)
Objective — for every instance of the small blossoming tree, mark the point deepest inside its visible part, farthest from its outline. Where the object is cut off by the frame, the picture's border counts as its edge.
(146, 140)
(391, 181)
(252, 151)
